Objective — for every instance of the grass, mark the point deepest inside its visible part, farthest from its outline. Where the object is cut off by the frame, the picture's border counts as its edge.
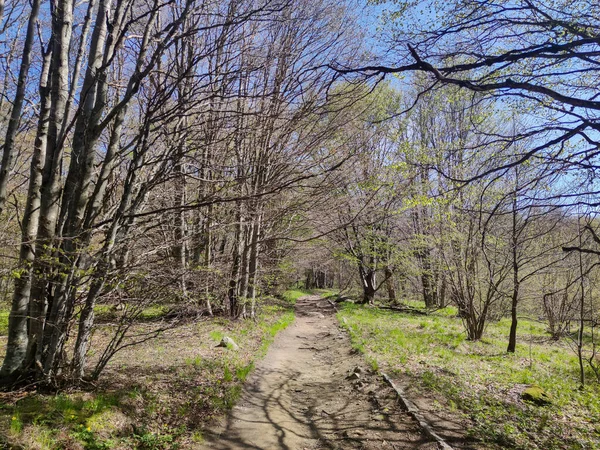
(479, 380)
(155, 396)
(291, 296)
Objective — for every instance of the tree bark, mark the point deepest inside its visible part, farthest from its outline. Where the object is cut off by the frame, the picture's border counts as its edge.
(389, 282)
(17, 107)
(19, 336)
(512, 337)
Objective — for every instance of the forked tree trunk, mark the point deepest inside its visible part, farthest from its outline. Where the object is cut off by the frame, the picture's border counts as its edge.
(42, 289)
(367, 276)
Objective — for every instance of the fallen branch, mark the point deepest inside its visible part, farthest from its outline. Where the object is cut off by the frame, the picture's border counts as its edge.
(406, 309)
(414, 412)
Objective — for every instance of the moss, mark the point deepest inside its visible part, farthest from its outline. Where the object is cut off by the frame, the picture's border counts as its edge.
(111, 422)
(537, 395)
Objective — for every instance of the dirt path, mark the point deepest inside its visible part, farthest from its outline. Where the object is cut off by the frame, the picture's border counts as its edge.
(299, 396)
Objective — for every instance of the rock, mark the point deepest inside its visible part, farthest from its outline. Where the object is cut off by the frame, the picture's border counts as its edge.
(536, 394)
(229, 343)
(353, 376)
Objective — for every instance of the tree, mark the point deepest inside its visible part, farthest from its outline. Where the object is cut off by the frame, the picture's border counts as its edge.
(368, 195)
(164, 156)
(480, 46)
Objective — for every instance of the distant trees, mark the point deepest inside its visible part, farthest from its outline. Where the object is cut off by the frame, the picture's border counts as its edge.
(485, 247)
(538, 60)
(367, 196)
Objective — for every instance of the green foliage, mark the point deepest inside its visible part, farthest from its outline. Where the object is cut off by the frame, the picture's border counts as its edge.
(147, 440)
(216, 335)
(482, 381)
(16, 424)
(90, 440)
(242, 372)
(4, 314)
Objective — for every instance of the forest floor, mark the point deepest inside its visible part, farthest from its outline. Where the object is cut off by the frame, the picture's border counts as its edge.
(478, 385)
(158, 395)
(303, 395)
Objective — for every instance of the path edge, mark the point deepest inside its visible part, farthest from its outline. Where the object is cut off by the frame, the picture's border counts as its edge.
(414, 412)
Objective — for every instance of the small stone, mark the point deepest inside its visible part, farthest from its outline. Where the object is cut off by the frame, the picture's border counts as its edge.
(229, 343)
(353, 376)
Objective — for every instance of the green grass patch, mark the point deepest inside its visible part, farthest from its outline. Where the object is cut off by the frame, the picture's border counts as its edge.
(482, 381)
(4, 313)
(153, 312)
(150, 313)
(292, 295)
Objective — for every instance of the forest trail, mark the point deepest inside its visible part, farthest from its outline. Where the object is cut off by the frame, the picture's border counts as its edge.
(299, 396)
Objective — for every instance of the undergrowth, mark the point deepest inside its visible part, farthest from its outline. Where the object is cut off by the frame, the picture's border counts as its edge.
(156, 396)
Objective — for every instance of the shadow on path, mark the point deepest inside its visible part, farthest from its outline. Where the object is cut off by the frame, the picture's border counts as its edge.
(299, 396)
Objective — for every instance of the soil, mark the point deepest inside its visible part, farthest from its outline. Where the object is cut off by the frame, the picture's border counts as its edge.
(312, 391)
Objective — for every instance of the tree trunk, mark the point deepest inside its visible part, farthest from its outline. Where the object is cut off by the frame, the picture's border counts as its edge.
(42, 289)
(389, 282)
(253, 267)
(427, 281)
(20, 338)
(232, 293)
(512, 337)
(15, 114)
(207, 258)
(368, 283)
